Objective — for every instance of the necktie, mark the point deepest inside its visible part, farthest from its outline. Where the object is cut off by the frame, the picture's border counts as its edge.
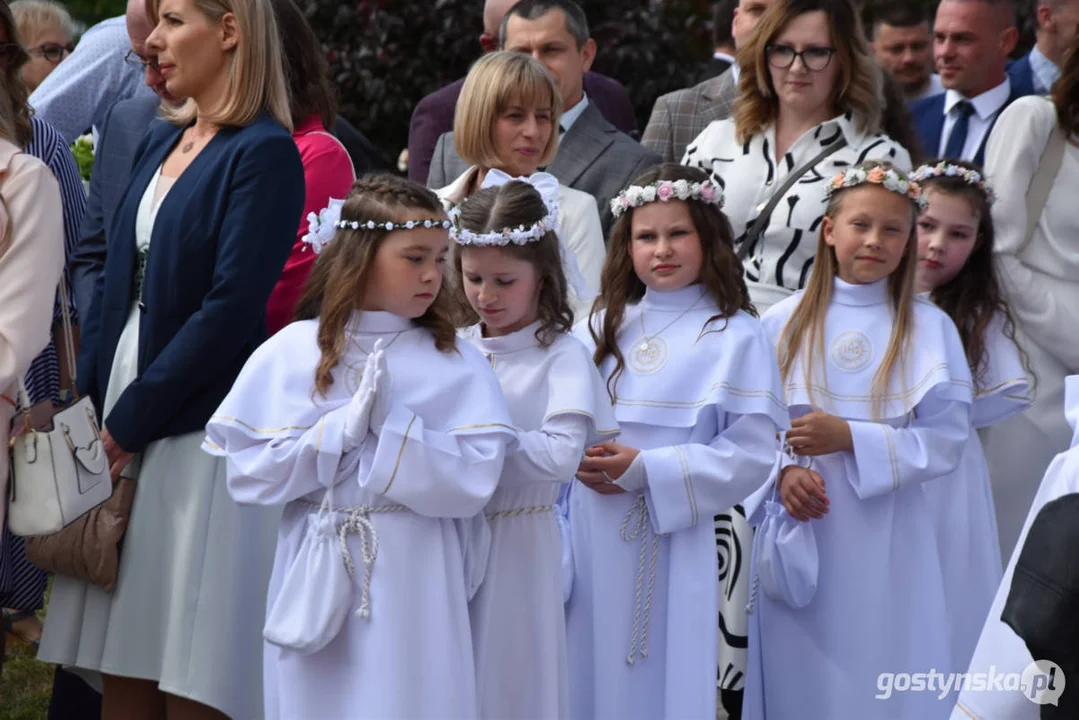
(958, 137)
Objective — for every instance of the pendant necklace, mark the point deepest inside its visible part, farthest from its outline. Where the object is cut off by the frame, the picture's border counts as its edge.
(357, 371)
(650, 355)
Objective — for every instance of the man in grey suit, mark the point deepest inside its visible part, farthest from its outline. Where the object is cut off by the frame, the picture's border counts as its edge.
(679, 117)
(593, 156)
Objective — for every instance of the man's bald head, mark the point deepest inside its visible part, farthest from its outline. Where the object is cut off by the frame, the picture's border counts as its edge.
(138, 23)
(493, 12)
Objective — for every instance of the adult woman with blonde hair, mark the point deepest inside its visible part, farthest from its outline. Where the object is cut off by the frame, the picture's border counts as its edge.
(200, 238)
(1032, 158)
(809, 105)
(506, 126)
(46, 31)
(31, 241)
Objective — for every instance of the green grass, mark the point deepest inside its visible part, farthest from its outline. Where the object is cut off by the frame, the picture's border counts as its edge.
(25, 686)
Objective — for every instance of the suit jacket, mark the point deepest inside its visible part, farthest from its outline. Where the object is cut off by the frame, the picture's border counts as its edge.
(433, 117)
(679, 117)
(124, 125)
(713, 68)
(928, 116)
(31, 260)
(1021, 74)
(217, 250)
(593, 157)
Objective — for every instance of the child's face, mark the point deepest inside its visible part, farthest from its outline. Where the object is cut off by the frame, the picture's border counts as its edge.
(501, 288)
(407, 272)
(665, 246)
(869, 233)
(947, 234)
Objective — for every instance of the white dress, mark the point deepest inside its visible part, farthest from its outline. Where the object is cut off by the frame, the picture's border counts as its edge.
(1041, 284)
(962, 503)
(1000, 650)
(879, 604)
(703, 406)
(579, 218)
(437, 457)
(560, 406)
(193, 566)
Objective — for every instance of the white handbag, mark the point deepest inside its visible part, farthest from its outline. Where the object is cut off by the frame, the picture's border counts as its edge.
(60, 473)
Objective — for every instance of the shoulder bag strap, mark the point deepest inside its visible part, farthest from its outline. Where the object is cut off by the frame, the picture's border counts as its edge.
(1042, 182)
(758, 226)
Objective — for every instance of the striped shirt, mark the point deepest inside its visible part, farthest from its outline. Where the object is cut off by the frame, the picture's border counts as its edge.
(48, 146)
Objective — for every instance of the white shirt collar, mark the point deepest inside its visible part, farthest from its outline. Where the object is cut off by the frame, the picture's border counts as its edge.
(736, 71)
(723, 56)
(985, 105)
(570, 116)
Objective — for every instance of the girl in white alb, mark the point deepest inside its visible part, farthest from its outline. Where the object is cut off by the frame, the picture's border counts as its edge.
(848, 585)
(514, 284)
(956, 269)
(697, 395)
(376, 429)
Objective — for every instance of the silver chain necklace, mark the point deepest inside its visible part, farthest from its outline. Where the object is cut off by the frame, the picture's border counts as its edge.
(651, 354)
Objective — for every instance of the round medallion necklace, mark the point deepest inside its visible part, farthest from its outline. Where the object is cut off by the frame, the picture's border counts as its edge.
(650, 354)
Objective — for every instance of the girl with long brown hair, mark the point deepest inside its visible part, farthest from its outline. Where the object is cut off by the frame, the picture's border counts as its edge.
(377, 429)
(956, 267)
(879, 392)
(509, 267)
(696, 393)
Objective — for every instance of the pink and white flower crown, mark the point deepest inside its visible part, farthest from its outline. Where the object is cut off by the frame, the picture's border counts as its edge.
(890, 179)
(664, 191)
(946, 169)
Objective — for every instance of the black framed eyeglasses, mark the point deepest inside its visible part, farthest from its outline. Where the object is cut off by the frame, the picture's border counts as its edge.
(782, 57)
(11, 54)
(133, 58)
(53, 52)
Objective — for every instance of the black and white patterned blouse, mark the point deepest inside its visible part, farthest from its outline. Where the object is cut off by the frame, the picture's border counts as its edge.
(748, 172)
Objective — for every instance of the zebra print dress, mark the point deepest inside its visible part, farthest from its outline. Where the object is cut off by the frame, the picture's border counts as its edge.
(22, 586)
(779, 265)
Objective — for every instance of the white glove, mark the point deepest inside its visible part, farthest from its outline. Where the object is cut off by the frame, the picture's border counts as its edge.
(380, 409)
(358, 420)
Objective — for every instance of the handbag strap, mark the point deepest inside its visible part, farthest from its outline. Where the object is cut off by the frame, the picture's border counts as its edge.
(69, 351)
(757, 228)
(1042, 182)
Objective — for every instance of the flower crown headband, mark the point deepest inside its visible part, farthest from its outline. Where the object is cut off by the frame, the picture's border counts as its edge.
(890, 179)
(548, 188)
(664, 191)
(946, 169)
(321, 227)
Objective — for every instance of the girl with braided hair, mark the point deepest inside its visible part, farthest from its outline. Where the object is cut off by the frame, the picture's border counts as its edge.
(380, 430)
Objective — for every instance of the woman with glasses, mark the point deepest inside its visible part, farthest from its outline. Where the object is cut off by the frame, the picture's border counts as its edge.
(45, 29)
(31, 242)
(809, 105)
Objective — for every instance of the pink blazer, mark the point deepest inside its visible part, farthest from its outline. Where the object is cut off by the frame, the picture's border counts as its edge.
(31, 260)
(328, 173)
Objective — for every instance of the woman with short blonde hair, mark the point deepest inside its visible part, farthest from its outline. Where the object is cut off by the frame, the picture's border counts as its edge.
(46, 31)
(507, 120)
(197, 245)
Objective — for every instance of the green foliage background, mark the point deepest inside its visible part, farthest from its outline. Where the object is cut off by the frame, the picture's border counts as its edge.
(387, 54)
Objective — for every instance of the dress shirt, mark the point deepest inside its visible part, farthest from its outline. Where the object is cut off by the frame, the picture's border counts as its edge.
(986, 107)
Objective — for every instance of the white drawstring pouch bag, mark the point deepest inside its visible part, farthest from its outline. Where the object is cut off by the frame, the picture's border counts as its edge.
(787, 562)
(317, 593)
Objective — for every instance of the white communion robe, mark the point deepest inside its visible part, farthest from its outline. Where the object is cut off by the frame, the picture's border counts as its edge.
(560, 406)
(879, 605)
(1000, 651)
(703, 406)
(438, 456)
(962, 503)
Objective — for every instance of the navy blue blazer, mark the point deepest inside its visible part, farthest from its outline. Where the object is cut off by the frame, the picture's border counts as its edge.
(118, 138)
(928, 116)
(219, 243)
(1021, 74)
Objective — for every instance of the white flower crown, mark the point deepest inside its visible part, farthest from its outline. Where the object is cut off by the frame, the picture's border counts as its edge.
(321, 227)
(520, 235)
(890, 179)
(664, 191)
(946, 169)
